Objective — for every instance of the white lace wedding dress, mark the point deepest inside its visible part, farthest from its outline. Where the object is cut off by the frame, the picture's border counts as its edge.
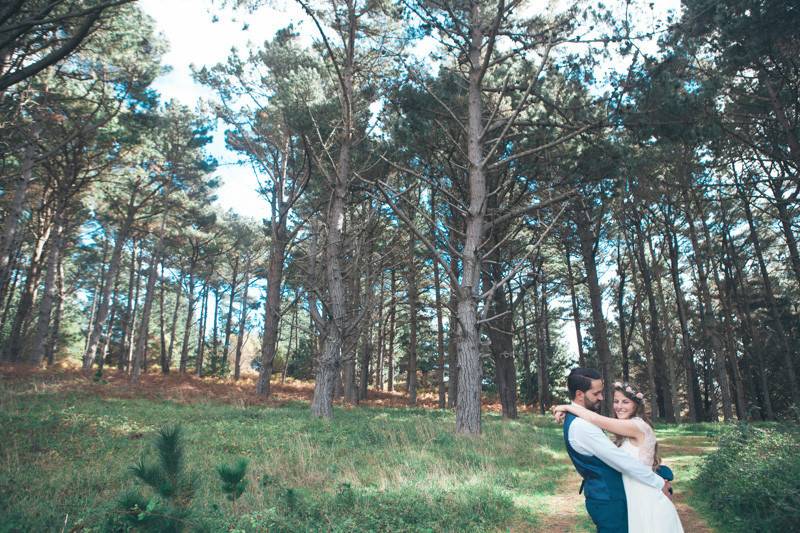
(649, 510)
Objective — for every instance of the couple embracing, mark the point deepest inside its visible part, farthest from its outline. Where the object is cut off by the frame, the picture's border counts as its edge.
(624, 493)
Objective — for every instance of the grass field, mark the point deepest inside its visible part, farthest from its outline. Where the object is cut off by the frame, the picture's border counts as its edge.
(65, 458)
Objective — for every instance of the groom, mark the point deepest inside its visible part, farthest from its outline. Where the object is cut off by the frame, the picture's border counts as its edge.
(598, 461)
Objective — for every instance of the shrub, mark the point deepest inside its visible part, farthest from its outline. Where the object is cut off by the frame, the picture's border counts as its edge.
(752, 482)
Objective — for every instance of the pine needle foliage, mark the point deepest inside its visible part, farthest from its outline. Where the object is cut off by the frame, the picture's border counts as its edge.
(232, 476)
(166, 510)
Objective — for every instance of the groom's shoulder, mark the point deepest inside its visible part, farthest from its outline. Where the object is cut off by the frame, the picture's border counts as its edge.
(582, 425)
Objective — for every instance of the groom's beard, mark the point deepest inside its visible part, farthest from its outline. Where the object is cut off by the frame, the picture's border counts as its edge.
(592, 406)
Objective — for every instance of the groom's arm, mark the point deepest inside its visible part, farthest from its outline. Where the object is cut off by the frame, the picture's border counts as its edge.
(590, 440)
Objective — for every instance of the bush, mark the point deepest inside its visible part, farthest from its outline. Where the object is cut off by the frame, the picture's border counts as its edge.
(752, 482)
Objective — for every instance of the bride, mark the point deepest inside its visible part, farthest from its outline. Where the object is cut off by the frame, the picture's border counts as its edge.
(648, 509)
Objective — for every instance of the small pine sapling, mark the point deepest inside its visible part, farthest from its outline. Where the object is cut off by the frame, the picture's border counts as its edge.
(166, 510)
(232, 476)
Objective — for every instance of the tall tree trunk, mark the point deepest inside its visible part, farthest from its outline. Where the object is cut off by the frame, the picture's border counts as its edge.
(162, 332)
(229, 320)
(785, 218)
(329, 361)
(692, 384)
(646, 340)
(392, 326)
(174, 328)
(771, 302)
(413, 305)
(242, 324)
(663, 390)
(366, 357)
(452, 353)
(214, 334)
(13, 214)
(98, 289)
(544, 350)
(437, 288)
(576, 312)
(12, 288)
(129, 308)
(623, 332)
(201, 329)
(15, 341)
(138, 361)
(588, 252)
(111, 274)
(751, 338)
(527, 383)
(187, 326)
(381, 335)
(272, 309)
(50, 292)
(468, 408)
(708, 320)
(55, 331)
(294, 334)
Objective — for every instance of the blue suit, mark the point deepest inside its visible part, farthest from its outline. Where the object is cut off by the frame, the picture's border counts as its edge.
(602, 486)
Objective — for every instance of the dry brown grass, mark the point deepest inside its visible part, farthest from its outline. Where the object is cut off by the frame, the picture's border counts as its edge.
(189, 388)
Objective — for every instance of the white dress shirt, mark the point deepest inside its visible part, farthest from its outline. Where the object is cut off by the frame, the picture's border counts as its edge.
(588, 439)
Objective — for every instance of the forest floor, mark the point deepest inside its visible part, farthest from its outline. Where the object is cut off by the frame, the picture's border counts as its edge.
(377, 467)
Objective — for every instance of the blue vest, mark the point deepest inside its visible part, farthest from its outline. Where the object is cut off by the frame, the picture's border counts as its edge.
(600, 481)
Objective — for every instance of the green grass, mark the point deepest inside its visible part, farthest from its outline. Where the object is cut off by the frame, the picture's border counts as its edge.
(370, 469)
(65, 457)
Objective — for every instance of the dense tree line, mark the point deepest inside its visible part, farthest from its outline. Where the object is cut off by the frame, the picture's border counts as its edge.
(436, 223)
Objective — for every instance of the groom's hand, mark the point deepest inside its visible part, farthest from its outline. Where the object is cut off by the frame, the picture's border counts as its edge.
(667, 489)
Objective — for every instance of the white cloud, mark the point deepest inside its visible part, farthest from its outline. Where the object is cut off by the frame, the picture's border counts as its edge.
(195, 39)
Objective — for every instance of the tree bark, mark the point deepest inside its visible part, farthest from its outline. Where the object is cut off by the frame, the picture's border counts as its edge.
(692, 384)
(272, 310)
(392, 331)
(413, 306)
(242, 324)
(771, 302)
(50, 291)
(15, 341)
(174, 328)
(663, 390)
(587, 243)
(229, 320)
(144, 321)
(187, 326)
(576, 312)
(111, 274)
(708, 320)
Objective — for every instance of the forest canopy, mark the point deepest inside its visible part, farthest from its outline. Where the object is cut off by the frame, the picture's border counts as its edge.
(438, 222)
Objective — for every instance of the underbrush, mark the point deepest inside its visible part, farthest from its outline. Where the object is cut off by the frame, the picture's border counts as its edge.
(752, 481)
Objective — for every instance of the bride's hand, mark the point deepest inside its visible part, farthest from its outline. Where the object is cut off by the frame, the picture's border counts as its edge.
(559, 413)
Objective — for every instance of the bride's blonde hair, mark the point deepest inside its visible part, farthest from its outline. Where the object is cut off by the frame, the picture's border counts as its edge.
(637, 398)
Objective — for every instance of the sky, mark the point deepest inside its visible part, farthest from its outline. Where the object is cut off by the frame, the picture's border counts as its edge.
(195, 39)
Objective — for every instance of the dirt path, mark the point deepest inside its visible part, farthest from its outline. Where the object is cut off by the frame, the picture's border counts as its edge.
(564, 511)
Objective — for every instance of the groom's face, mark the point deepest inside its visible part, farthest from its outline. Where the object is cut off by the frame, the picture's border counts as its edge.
(594, 396)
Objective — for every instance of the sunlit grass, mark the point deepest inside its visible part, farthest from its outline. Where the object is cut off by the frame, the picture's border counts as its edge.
(66, 455)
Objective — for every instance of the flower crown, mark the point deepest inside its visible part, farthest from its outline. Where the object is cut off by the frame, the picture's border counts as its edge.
(626, 388)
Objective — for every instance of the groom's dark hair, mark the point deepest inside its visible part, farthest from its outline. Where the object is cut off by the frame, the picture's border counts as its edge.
(580, 379)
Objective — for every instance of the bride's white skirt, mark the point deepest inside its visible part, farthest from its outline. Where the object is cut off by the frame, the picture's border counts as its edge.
(649, 511)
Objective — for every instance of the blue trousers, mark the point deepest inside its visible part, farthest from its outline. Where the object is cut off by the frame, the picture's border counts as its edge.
(610, 516)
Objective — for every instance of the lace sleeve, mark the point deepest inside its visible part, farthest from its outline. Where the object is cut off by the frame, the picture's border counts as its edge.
(647, 448)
